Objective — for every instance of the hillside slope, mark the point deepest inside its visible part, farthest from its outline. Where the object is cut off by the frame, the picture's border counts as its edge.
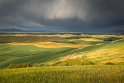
(108, 53)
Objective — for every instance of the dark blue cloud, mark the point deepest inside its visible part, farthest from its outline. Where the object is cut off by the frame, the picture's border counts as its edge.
(63, 15)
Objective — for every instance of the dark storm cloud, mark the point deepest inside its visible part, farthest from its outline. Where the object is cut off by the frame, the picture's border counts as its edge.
(10, 7)
(113, 9)
(63, 15)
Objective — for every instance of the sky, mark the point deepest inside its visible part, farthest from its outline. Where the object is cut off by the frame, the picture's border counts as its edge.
(88, 16)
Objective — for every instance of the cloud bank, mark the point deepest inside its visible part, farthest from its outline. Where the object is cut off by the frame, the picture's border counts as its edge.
(63, 15)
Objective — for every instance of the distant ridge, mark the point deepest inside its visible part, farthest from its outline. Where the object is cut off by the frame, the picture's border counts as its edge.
(14, 30)
(10, 30)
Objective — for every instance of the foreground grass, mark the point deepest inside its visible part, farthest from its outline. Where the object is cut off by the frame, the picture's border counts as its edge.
(64, 74)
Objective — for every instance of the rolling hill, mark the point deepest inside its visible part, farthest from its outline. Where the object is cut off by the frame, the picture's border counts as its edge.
(65, 50)
(94, 55)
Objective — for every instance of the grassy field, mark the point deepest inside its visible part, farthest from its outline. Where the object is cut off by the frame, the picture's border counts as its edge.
(64, 74)
(62, 58)
(101, 54)
(28, 54)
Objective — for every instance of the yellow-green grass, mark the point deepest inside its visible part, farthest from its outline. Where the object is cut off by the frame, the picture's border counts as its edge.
(96, 54)
(48, 44)
(64, 74)
(113, 52)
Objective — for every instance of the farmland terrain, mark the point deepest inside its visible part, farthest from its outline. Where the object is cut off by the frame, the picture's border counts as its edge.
(65, 57)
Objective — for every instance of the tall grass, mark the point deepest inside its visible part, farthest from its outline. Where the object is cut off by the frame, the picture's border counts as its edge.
(64, 74)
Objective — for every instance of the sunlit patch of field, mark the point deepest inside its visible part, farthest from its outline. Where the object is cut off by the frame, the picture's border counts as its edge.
(65, 35)
(49, 44)
(101, 35)
(107, 51)
(114, 54)
(89, 39)
(21, 35)
(70, 57)
(110, 53)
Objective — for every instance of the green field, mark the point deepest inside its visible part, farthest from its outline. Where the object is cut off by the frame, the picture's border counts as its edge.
(69, 58)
